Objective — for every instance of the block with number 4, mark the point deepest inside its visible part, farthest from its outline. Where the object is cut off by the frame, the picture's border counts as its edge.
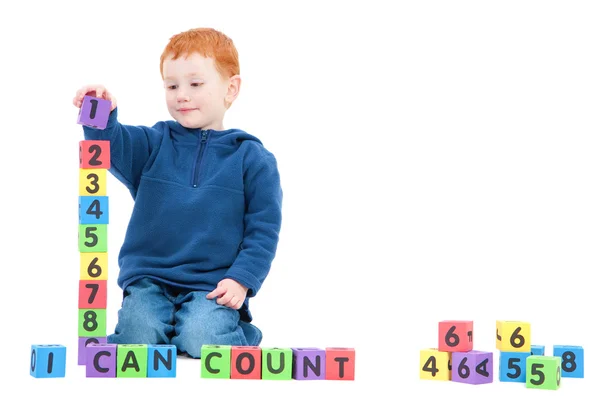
(455, 336)
(474, 367)
(435, 365)
(513, 336)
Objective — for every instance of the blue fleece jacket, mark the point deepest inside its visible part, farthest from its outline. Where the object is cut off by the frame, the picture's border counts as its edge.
(207, 205)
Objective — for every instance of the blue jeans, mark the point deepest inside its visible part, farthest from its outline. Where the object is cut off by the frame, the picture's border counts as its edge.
(152, 313)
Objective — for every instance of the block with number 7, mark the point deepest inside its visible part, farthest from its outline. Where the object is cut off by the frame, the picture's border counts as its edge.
(474, 367)
(455, 336)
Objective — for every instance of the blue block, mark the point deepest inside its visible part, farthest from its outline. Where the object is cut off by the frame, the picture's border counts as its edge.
(48, 361)
(93, 210)
(513, 366)
(162, 361)
(571, 360)
(537, 350)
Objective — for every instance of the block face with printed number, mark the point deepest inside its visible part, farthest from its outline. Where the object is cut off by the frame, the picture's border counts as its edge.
(455, 336)
(339, 363)
(94, 154)
(93, 210)
(246, 362)
(308, 363)
(572, 364)
(215, 361)
(94, 112)
(513, 366)
(93, 238)
(132, 360)
(83, 342)
(92, 322)
(473, 367)
(92, 182)
(48, 361)
(435, 365)
(543, 372)
(93, 266)
(162, 361)
(101, 360)
(276, 363)
(513, 336)
(92, 294)
(538, 350)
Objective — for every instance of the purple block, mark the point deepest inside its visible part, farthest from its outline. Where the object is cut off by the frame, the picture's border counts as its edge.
(474, 367)
(83, 342)
(308, 363)
(101, 360)
(94, 112)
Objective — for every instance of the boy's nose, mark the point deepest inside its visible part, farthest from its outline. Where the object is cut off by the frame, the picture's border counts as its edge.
(182, 96)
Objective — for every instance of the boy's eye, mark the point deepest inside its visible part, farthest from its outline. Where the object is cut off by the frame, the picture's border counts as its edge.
(196, 84)
(172, 87)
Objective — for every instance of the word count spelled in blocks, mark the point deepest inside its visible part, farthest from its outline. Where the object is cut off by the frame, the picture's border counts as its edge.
(94, 154)
(513, 336)
(571, 360)
(94, 112)
(543, 372)
(455, 335)
(48, 361)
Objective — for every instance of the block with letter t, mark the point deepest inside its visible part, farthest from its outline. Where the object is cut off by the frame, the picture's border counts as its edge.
(455, 335)
(339, 363)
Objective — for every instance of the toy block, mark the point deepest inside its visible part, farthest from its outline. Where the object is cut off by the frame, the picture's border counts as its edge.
(93, 238)
(473, 367)
(48, 361)
(537, 350)
(246, 362)
(339, 363)
(92, 322)
(93, 210)
(93, 266)
(162, 361)
(132, 360)
(455, 336)
(94, 154)
(435, 365)
(513, 366)
(543, 372)
(83, 343)
(92, 294)
(308, 363)
(276, 363)
(571, 360)
(92, 182)
(216, 361)
(513, 336)
(101, 360)
(94, 112)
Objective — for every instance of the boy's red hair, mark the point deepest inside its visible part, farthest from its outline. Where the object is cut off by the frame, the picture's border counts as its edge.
(209, 43)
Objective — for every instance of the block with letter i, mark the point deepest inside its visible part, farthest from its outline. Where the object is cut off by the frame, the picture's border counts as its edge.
(48, 361)
(513, 336)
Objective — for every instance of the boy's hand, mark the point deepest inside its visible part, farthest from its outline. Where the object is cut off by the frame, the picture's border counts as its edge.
(97, 91)
(229, 293)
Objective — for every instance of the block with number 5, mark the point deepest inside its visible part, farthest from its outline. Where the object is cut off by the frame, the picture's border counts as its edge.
(474, 367)
(513, 336)
(543, 372)
(455, 336)
(435, 365)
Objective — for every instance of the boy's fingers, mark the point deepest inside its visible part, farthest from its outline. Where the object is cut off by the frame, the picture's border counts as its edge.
(216, 293)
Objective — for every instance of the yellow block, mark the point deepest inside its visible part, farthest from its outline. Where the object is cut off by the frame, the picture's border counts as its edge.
(94, 266)
(435, 365)
(513, 336)
(92, 182)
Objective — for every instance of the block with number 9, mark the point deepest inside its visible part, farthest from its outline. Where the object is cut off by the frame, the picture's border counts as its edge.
(435, 365)
(543, 372)
(455, 336)
(513, 336)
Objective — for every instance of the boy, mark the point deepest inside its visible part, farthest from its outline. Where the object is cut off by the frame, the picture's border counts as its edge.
(207, 213)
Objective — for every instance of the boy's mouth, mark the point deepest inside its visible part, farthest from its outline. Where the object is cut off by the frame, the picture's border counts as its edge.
(183, 110)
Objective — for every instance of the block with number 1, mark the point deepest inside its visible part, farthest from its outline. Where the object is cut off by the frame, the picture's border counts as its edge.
(94, 112)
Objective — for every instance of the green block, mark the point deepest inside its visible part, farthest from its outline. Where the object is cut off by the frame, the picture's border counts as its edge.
(276, 363)
(132, 360)
(93, 238)
(92, 322)
(543, 372)
(216, 361)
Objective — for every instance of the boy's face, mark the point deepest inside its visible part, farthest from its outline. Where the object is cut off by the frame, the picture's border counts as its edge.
(196, 93)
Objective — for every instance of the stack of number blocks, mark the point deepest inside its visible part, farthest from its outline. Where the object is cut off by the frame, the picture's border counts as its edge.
(454, 358)
(94, 162)
(520, 361)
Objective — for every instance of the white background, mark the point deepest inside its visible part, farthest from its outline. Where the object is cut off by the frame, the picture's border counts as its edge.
(439, 160)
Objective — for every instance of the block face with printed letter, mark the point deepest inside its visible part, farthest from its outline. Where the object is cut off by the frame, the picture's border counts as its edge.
(162, 361)
(215, 361)
(276, 363)
(101, 360)
(48, 361)
(94, 154)
(308, 363)
(246, 362)
(83, 342)
(455, 335)
(94, 112)
(132, 360)
(339, 363)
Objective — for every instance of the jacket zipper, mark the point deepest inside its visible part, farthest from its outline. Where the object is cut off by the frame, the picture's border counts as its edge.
(201, 147)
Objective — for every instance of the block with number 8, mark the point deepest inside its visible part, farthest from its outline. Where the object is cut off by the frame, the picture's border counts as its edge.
(571, 360)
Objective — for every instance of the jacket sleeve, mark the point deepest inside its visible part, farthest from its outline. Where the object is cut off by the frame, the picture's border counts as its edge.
(130, 148)
(262, 223)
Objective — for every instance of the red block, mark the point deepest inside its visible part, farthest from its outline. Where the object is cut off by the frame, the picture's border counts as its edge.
(92, 294)
(246, 362)
(94, 154)
(339, 363)
(455, 336)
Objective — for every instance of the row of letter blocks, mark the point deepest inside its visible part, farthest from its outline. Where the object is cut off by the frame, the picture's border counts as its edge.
(94, 162)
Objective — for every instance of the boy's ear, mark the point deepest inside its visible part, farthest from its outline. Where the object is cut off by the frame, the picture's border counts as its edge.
(233, 89)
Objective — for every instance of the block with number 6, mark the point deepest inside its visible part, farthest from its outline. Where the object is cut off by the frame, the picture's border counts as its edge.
(435, 365)
(571, 360)
(474, 367)
(455, 336)
(513, 336)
